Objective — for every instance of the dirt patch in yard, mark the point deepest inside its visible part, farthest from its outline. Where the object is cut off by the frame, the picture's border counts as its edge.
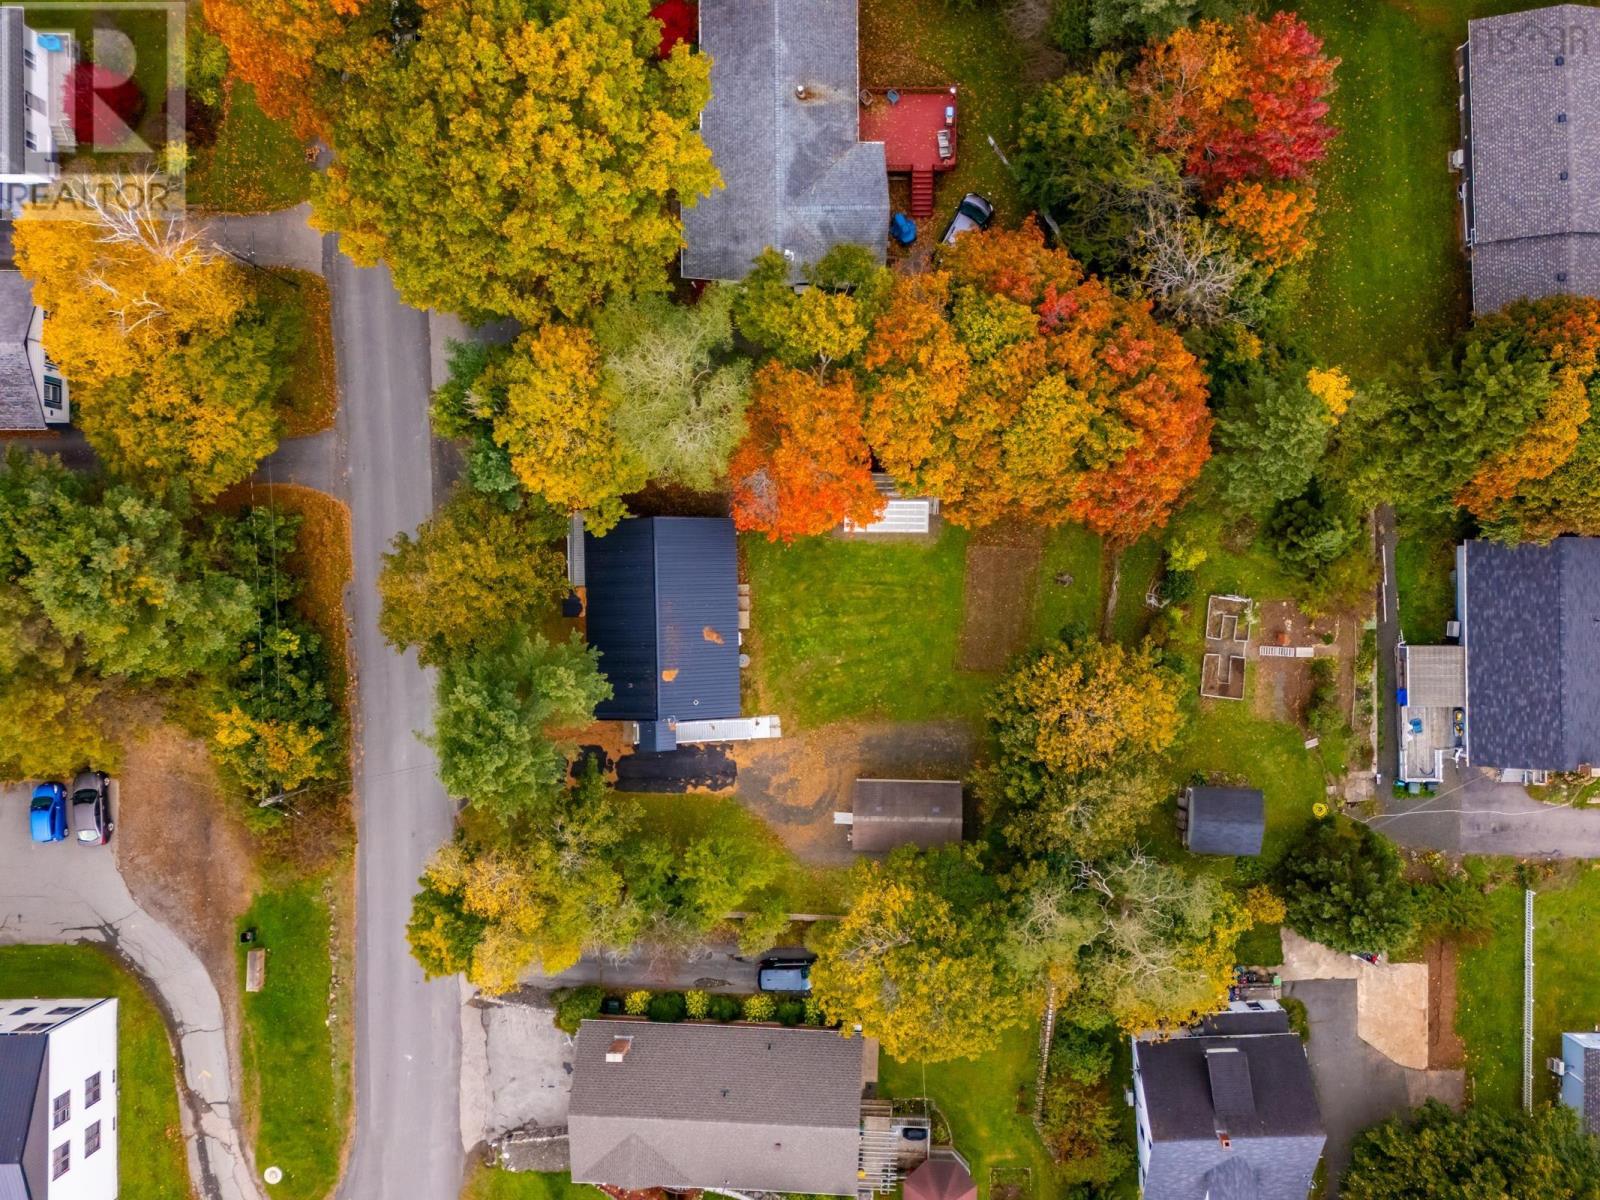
(797, 783)
(1283, 685)
(1002, 572)
(1445, 1048)
(184, 854)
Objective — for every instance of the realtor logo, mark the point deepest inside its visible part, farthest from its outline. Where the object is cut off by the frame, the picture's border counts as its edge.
(91, 97)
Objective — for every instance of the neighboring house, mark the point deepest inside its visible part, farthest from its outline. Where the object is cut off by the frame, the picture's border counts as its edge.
(33, 393)
(782, 125)
(748, 1108)
(889, 813)
(1223, 820)
(1580, 1077)
(34, 128)
(1530, 154)
(1529, 662)
(1227, 1110)
(662, 607)
(58, 1099)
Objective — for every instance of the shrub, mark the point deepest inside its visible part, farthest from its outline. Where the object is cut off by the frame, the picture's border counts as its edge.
(723, 1008)
(1299, 1018)
(576, 1005)
(1324, 713)
(792, 1012)
(1341, 885)
(697, 1004)
(667, 1007)
(1177, 587)
(813, 1011)
(636, 1004)
(1083, 1132)
(759, 1007)
(1080, 1054)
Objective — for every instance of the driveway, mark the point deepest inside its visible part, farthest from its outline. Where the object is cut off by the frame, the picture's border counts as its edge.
(713, 969)
(1473, 813)
(68, 893)
(1356, 1085)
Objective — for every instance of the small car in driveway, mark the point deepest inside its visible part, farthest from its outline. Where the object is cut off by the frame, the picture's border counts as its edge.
(784, 975)
(91, 808)
(47, 813)
(974, 212)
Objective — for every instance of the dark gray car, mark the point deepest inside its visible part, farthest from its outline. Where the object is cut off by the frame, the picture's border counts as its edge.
(91, 808)
(974, 212)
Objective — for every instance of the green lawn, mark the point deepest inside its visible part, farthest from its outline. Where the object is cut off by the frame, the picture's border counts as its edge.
(1140, 562)
(151, 1160)
(296, 1083)
(809, 888)
(1388, 278)
(487, 1183)
(918, 43)
(1070, 550)
(146, 28)
(989, 1104)
(859, 629)
(1566, 986)
(1424, 561)
(255, 165)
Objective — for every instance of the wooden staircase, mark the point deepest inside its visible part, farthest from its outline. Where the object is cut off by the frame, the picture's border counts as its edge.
(921, 195)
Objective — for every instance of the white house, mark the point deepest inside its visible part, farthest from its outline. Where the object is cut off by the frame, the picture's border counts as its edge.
(35, 132)
(58, 1099)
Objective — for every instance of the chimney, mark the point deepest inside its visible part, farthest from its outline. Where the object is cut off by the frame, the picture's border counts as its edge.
(1227, 1142)
(619, 1049)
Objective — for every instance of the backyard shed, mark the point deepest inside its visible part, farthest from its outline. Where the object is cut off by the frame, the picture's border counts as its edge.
(940, 1179)
(663, 611)
(889, 813)
(1224, 820)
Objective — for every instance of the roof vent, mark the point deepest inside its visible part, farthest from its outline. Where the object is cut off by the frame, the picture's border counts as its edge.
(1561, 60)
(1561, 118)
(1561, 276)
(1563, 177)
(618, 1049)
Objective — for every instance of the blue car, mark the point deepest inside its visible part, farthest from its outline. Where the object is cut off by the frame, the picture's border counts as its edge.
(47, 814)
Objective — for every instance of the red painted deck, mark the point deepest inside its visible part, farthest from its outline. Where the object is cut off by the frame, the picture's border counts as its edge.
(909, 131)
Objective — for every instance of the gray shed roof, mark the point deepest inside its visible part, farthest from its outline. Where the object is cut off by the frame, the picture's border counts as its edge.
(905, 812)
(20, 407)
(1226, 820)
(13, 115)
(1256, 1089)
(1533, 94)
(1580, 1085)
(744, 1107)
(1531, 627)
(796, 176)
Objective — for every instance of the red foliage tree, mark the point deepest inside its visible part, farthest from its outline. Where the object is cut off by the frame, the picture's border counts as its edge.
(1014, 387)
(680, 22)
(1241, 102)
(803, 467)
(103, 105)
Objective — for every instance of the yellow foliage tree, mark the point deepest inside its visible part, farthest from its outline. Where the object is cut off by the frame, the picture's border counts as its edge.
(1333, 387)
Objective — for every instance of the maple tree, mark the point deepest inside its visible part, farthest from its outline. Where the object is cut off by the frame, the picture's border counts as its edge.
(273, 45)
(916, 961)
(1247, 101)
(1272, 224)
(826, 322)
(509, 161)
(804, 466)
(1012, 386)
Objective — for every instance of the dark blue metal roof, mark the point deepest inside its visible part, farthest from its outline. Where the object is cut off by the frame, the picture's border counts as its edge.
(1532, 631)
(1226, 820)
(663, 610)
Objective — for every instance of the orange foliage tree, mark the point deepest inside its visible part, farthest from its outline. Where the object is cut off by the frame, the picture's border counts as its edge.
(1011, 385)
(273, 45)
(803, 466)
(1272, 224)
(1247, 101)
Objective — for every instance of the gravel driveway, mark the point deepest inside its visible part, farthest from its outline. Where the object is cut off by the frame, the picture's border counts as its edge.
(70, 893)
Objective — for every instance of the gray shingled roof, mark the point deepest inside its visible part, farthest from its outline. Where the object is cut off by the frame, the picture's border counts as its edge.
(13, 116)
(19, 396)
(796, 177)
(905, 812)
(1226, 820)
(22, 1071)
(737, 1106)
(1532, 632)
(1255, 1088)
(1532, 120)
(1591, 1089)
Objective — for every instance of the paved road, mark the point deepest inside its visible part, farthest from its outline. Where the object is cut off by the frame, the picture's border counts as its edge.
(408, 1034)
(1472, 813)
(70, 893)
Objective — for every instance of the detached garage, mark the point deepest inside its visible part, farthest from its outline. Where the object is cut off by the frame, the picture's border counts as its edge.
(889, 813)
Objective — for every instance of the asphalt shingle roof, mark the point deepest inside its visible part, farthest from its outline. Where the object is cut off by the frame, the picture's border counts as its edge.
(738, 1106)
(22, 1068)
(1226, 820)
(905, 812)
(19, 397)
(1533, 87)
(13, 116)
(795, 175)
(1532, 633)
